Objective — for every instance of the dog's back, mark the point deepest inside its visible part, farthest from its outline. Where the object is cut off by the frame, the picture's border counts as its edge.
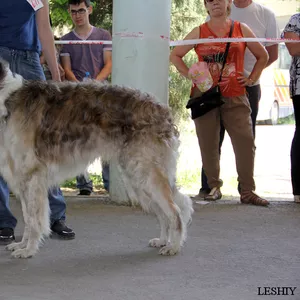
(62, 115)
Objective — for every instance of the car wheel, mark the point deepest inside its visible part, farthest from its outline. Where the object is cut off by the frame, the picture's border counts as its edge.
(274, 114)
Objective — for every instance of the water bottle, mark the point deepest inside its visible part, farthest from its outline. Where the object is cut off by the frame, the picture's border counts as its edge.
(87, 76)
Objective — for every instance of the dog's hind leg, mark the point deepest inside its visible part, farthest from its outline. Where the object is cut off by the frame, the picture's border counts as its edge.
(136, 195)
(36, 216)
(153, 188)
(161, 194)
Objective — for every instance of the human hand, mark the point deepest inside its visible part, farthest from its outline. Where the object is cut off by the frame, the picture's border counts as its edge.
(100, 78)
(62, 73)
(245, 81)
(56, 77)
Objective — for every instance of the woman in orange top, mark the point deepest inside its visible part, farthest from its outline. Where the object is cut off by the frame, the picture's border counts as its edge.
(235, 113)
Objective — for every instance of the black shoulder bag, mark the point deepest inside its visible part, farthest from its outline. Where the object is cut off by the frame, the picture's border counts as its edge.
(212, 98)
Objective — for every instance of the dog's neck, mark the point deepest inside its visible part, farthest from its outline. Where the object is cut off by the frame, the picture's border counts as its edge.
(10, 84)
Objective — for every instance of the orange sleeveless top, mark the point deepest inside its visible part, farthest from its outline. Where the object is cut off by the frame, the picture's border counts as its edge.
(213, 54)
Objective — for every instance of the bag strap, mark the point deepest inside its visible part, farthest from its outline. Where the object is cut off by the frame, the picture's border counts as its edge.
(226, 50)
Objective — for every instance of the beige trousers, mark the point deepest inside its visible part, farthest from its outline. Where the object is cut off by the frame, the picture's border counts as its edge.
(235, 115)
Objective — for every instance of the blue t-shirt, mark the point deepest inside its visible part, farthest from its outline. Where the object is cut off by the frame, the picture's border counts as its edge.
(18, 28)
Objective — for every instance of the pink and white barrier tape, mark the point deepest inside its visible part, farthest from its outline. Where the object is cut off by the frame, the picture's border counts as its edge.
(225, 40)
(181, 42)
(88, 42)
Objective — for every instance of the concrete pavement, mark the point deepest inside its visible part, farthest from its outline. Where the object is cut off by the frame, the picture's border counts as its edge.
(232, 249)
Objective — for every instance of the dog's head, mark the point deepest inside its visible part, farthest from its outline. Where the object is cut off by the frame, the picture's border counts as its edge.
(9, 83)
(8, 80)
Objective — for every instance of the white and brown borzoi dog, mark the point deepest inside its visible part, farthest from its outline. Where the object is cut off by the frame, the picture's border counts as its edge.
(53, 131)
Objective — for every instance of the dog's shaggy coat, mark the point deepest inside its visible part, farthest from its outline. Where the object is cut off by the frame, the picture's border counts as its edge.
(52, 131)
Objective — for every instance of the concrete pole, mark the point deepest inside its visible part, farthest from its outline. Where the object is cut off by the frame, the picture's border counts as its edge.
(140, 58)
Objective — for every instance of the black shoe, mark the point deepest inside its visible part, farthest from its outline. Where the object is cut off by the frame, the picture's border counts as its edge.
(84, 193)
(62, 230)
(6, 235)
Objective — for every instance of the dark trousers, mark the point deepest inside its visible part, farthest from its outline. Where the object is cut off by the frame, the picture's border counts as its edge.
(295, 149)
(254, 94)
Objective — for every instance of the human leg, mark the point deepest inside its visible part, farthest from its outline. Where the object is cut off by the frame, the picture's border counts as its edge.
(295, 151)
(7, 221)
(254, 95)
(208, 133)
(58, 214)
(205, 190)
(105, 175)
(237, 121)
(84, 184)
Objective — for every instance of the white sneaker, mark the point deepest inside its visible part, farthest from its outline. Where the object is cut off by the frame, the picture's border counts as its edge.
(297, 198)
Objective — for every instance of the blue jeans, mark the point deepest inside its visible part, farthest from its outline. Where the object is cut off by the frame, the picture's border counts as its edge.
(27, 64)
(105, 176)
(84, 182)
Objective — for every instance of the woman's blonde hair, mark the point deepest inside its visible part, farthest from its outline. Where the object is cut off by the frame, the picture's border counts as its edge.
(228, 7)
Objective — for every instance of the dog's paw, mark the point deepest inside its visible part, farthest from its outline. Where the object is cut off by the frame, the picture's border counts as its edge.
(23, 253)
(168, 250)
(15, 246)
(157, 243)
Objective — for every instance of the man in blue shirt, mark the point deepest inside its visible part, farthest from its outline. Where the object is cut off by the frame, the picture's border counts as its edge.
(24, 27)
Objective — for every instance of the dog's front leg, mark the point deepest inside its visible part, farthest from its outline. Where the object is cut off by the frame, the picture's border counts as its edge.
(37, 217)
(23, 243)
(20, 245)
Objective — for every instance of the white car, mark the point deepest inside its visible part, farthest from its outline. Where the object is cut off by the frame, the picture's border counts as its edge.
(275, 100)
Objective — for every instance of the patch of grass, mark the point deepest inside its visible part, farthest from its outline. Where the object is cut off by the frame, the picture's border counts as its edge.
(188, 179)
(191, 181)
(289, 120)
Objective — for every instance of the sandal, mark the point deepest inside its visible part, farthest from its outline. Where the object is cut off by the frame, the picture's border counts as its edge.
(202, 194)
(252, 198)
(215, 194)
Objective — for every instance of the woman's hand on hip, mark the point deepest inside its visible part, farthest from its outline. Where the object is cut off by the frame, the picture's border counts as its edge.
(245, 81)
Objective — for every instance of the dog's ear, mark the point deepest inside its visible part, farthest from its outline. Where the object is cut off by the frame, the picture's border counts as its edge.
(4, 66)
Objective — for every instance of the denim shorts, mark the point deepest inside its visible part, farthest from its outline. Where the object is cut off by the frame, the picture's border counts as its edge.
(26, 63)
